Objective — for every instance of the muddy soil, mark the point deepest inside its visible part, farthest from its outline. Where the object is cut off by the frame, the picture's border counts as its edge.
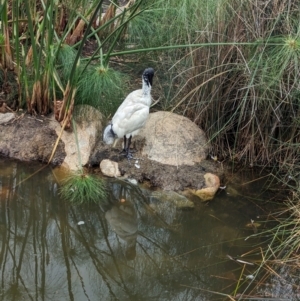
(29, 138)
(159, 175)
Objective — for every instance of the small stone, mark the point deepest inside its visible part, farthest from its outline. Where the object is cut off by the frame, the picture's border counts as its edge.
(232, 191)
(6, 117)
(80, 223)
(110, 168)
(212, 183)
(132, 181)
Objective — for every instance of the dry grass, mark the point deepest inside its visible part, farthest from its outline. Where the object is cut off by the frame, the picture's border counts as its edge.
(242, 86)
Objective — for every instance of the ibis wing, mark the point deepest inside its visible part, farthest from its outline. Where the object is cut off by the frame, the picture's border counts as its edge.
(129, 119)
(132, 98)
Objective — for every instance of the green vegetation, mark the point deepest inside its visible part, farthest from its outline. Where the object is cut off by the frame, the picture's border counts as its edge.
(241, 85)
(49, 40)
(51, 46)
(231, 66)
(100, 83)
(82, 188)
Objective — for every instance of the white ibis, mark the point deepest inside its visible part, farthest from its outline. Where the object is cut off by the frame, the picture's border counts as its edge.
(131, 114)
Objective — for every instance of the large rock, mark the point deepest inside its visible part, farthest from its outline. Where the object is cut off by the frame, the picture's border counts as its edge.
(173, 139)
(88, 129)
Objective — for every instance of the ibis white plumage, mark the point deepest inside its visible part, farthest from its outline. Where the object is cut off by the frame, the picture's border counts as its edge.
(131, 114)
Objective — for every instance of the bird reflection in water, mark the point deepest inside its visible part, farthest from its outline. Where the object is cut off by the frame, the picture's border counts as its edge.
(123, 221)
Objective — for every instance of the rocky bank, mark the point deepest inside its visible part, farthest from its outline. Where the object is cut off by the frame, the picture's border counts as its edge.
(171, 151)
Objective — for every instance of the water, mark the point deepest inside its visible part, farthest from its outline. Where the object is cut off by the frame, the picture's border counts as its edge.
(122, 250)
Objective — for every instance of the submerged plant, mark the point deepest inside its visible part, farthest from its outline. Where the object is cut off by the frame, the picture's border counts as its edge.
(82, 188)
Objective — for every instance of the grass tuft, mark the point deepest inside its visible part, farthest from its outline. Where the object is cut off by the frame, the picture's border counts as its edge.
(102, 88)
(82, 188)
(65, 58)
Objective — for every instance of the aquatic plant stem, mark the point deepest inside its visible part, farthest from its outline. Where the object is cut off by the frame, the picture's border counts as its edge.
(238, 283)
(208, 291)
(171, 47)
(57, 141)
(77, 145)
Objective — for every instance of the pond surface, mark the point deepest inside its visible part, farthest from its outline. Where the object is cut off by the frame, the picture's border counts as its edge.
(125, 249)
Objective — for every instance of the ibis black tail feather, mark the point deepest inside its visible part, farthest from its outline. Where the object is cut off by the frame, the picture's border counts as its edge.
(109, 136)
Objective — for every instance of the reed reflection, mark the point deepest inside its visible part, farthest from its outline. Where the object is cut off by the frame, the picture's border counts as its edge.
(124, 249)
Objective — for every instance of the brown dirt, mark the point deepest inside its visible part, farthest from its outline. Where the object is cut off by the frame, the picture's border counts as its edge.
(159, 175)
(9, 89)
(30, 139)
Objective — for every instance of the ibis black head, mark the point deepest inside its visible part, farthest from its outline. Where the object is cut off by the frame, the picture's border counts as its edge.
(148, 76)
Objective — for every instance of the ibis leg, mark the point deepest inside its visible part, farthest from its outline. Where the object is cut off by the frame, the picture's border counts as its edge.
(128, 153)
(126, 148)
(124, 145)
